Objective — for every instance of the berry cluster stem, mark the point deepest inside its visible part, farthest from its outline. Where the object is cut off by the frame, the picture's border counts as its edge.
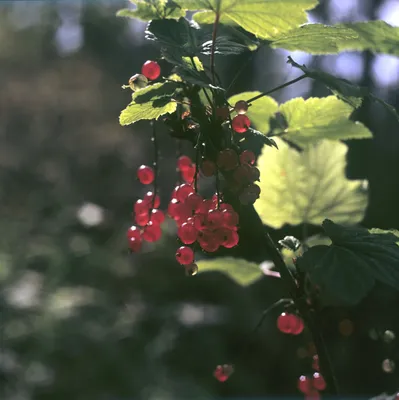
(214, 33)
(310, 319)
(155, 164)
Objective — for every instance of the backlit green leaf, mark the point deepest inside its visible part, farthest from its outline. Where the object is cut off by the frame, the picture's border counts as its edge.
(241, 271)
(261, 110)
(147, 10)
(347, 270)
(308, 186)
(320, 118)
(264, 18)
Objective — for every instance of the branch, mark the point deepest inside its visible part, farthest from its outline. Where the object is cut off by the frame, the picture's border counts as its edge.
(214, 33)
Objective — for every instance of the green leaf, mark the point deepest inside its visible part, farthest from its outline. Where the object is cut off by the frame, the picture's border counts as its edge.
(241, 271)
(346, 270)
(266, 19)
(150, 103)
(260, 112)
(308, 186)
(320, 118)
(376, 36)
(152, 9)
(343, 89)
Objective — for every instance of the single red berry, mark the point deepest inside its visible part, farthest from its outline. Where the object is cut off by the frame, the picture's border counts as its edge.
(142, 219)
(240, 123)
(204, 207)
(227, 159)
(241, 107)
(214, 219)
(298, 325)
(184, 163)
(305, 384)
(135, 244)
(141, 207)
(193, 201)
(254, 174)
(242, 174)
(223, 372)
(152, 232)
(189, 174)
(285, 323)
(173, 208)
(185, 255)
(315, 363)
(183, 213)
(247, 157)
(151, 70)
(151, 200)
(187, 233)
(157, 217)
(184, 191)
(230, 219)
(208, 168)
(208, 240)
(318, 381)
(146, 174)
(133, 232)
(250, 194)
(199, 222)
(229, 238)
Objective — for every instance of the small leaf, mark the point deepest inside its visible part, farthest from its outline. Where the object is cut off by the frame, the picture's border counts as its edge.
(290, 243)
(260, 112)
(152, 9)
(241, 271)
(156, 91)
(308, 186)
(343, 89)
(346, 270)
(320, 118)
(264, 18)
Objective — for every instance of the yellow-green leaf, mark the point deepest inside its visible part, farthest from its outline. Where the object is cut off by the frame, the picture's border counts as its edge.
(320, 118)
(138, 111)
(147, 10)
(241, 271)
(308, 186)
(261, 110)
(264, 18)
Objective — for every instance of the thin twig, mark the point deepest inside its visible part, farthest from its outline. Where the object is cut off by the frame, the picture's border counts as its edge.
(214, 34)
(197, 160)
(155, 164)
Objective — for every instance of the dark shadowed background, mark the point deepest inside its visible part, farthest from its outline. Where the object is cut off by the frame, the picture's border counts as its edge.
(81, 319)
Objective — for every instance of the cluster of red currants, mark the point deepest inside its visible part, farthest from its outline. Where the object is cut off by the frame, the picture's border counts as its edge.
(208, 222)
(146, 214)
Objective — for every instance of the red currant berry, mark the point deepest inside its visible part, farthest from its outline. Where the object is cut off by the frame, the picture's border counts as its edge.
(240, 123)
(297, 328)
(146, 175)
(173, 208)
(318, 381)
(241, 107)
(157, 217)
(199, 222)
(189, 174)
(223, 372)
(247, 157)
(242, 174)
(227, 159)
(193, 201)
(133, 232)
(208, 168)
(142, 219)
(151, 200)
(204, 207)
(151, 70)
(230, 219)
(254, 174)
(230, 238)
(184, 163)
(152, 232)
(184, 191)
(183, 213)
(135, 244)
(214, 219)
(250, 194)
(187, 233)
(141, 207)
(315, 363)
(174, 192)
(305, 384)
(285, 322)
(185, 255)
(208, 240)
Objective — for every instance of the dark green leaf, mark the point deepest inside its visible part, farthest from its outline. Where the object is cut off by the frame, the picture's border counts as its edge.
(346, 270)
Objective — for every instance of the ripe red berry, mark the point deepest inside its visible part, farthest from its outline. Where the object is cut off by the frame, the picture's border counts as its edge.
(141, 207)
(199, 222)
(290, 323)
(135, 244)
(173, 207)
(204, 207)
(184, 191)
(223, 372)
(230, 219)
(189, 174)
(247, 157)
(185, 255)
(208, 168)
(240, 123)
(146, 174)
(231, 239)
(298, 327)
(152, 232)
(227, 159)
(151, 200)
(193, 201)
(151, 70)
(157, 217)
(315, 362)
(214, 219)
(133, 232)
(305, 384)
(318, 381)
(142, 219)
(187, 233)
(241, 107)
(242, 174)
(184, 163)
(208, 240)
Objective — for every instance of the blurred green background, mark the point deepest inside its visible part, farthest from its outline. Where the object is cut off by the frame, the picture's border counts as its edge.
(82, 319)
